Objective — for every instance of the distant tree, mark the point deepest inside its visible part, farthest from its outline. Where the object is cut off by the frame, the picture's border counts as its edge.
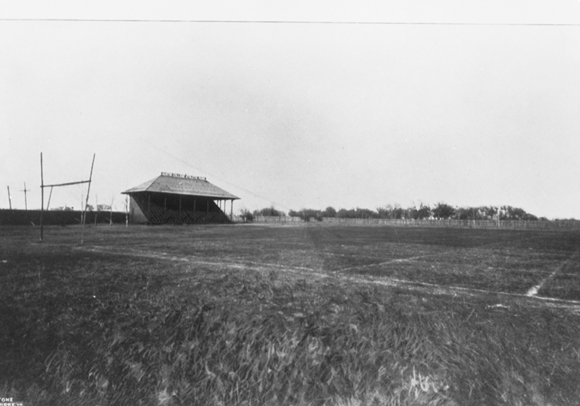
(464, 213)
(443, 211)
(398, 212)
(307, 214)
(103, 207)
(329, 212)
(418, 213)
(365, 213)
(247, 215)
(385, 212)
(488, 212)
(515, 213)
(411, 212)
(343, 213)
(424, 211)
(269, 211)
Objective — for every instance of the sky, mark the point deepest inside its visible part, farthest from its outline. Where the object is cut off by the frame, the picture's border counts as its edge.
(295, 104)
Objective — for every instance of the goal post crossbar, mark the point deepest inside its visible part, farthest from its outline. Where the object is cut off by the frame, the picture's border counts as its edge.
(66, 184)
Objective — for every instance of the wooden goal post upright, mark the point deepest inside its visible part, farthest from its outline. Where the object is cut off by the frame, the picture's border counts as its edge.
(42, 186)
(41, 197)
(87, 201)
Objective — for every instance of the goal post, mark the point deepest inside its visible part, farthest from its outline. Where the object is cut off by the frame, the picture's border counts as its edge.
(43, 186)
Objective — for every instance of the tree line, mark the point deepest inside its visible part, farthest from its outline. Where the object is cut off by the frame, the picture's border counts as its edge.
(439, 211)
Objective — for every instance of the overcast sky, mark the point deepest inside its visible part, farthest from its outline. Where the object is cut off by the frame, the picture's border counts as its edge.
(296, 115)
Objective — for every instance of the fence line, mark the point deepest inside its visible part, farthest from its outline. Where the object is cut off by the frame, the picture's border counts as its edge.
(491, 224)
(497, 224)
(503, 224)
(270, 219)
(58, 217)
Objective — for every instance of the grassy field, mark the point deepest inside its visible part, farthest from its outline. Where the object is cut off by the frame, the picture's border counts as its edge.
(308, 314)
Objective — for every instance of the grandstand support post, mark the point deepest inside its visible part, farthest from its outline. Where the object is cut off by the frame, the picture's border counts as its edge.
(41, 198)
(232, 210)
(87, 201)
(126, 211)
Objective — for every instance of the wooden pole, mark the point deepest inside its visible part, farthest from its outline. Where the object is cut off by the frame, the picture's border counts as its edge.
(96, 208)
(9, 198)
(87, 201)
(49, 197)
(41, 198)
(25, 200)
(111, 212)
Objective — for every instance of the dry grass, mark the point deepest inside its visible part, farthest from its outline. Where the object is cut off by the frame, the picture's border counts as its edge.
(95, 329)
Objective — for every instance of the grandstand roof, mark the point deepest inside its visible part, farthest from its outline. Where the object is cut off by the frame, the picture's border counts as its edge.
(176, 184)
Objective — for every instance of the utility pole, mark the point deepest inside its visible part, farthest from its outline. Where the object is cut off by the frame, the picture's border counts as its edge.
(25, 201)
(9, 198)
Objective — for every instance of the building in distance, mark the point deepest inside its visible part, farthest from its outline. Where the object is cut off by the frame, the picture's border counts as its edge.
(179, 199)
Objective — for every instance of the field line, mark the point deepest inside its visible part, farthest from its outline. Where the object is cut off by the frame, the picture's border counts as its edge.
(196, 260)
(442, 288)
(308, 272)
(533, 291)
(392, 261)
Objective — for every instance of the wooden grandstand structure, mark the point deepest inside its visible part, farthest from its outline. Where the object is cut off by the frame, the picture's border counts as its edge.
(179, 199)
